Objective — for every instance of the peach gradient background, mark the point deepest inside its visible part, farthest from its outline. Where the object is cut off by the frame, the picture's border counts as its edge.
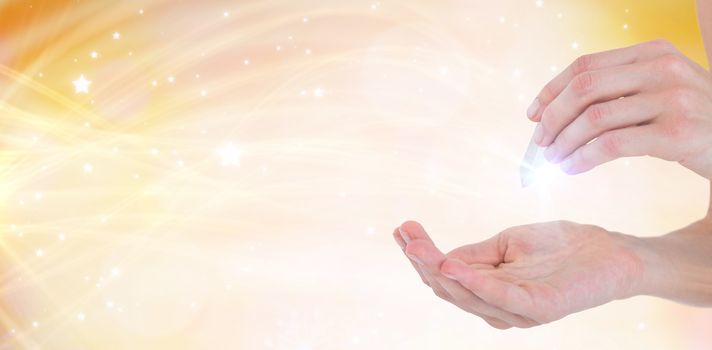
(347, 117)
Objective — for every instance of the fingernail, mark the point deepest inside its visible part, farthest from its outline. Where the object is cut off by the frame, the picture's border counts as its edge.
(404, 235)
(538, 134)
(449, 276)
(550, 153)
(533, 108)
(566, 165)
(415, 258)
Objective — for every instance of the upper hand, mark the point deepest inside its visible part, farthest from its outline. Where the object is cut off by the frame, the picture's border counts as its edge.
(647, 99)
(528, 275)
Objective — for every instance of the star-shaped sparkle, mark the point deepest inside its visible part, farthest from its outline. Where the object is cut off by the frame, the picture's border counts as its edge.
(81, 85)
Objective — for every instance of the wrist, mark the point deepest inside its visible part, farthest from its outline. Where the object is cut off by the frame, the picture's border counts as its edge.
(654, 269)
(676, 266)
(643, 262)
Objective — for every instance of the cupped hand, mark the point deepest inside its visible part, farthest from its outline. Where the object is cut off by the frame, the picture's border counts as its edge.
(528, 275)
(647, 99)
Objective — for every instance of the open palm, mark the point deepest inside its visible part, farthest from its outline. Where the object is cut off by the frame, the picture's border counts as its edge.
(528, 275)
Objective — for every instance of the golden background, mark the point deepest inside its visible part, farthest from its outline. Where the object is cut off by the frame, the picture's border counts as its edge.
(233, 176)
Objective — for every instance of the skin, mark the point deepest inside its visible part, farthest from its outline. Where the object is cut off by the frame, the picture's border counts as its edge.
(534, 274)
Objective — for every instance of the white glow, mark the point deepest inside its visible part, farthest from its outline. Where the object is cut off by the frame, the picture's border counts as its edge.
(546, 174)
(230, 155)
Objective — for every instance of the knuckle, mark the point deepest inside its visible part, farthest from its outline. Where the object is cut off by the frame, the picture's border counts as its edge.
(678, 128)
(583, 83)
(595, 114)
(661, 45)
(547, 93)
(682, 100)
(582, 64)
(550, 118)
(672, 64)
(611, 143)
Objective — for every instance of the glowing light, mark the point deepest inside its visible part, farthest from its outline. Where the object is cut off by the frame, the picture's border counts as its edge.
(116, 35)
(94, 55)
(81, 316)
(230, 155)
(81, 85)
(88, 168)
(318, 92)
(39, 253)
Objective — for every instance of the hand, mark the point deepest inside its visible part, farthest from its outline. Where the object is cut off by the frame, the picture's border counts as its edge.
(647, 99)
(528, 275)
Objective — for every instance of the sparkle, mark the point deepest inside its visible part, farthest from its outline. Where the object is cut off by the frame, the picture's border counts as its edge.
(88, 168)
(94, 55)
(625, 26)
(230, 155)
(62, 236)
(116, 35)
(171, 79)
(115, 272)
(81, 85)
(318, 92)
(140, 12)
(35, 324)
(226, 14)
(539, 3)
(575, 45)
(246, 62)
(81, 316)
(39, 253)
(203, 93)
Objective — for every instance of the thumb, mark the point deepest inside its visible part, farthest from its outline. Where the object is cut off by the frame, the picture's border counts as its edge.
(490, 251)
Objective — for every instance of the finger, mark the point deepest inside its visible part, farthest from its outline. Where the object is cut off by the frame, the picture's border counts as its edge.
(585, 89)
(599, 118)
(413, 234)
(402, 244)
(425, 251)
(490, 251)
(504, 295)
(426, 254)
(611, 58)
(627, 142)
(411, 230)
